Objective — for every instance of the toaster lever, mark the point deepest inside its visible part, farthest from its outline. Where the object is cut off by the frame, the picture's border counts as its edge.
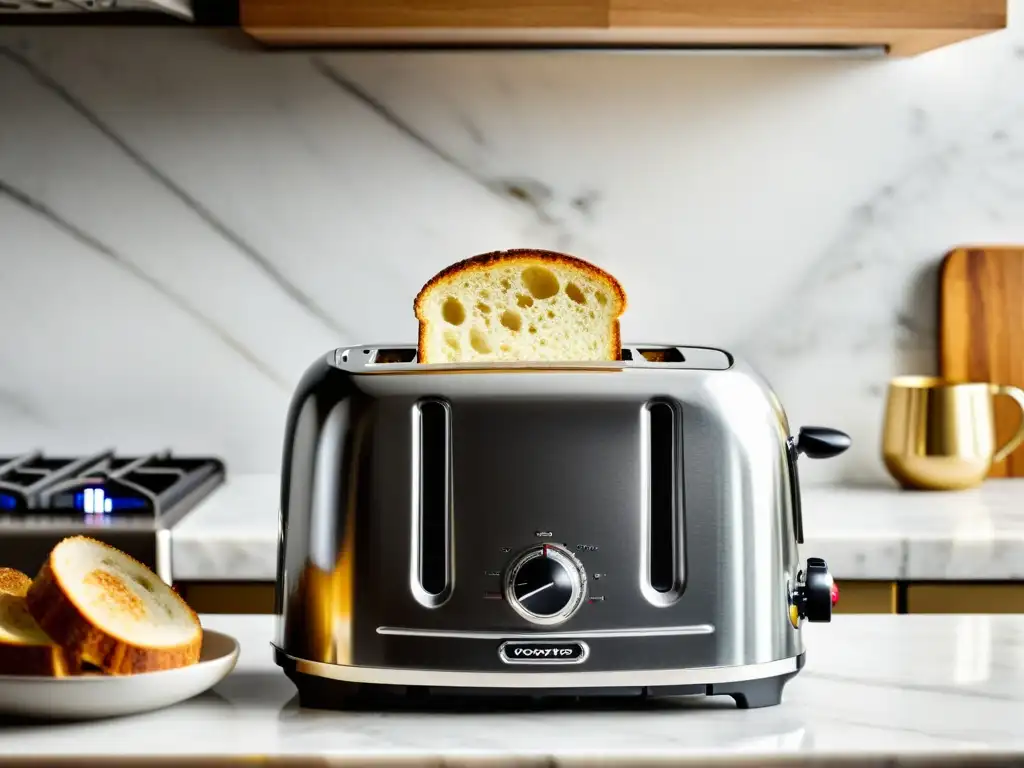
(821, 442)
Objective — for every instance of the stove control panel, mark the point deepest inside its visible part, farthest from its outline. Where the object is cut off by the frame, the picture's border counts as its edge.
(546, 584)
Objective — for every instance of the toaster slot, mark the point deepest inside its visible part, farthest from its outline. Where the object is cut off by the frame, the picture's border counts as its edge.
(664, 502)
(432, 540)
(665, 355)
(394, 356)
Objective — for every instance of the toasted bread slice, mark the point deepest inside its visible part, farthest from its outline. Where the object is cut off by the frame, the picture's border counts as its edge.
(24, 648)
(14, 582)
(111, 611)
(520, 305)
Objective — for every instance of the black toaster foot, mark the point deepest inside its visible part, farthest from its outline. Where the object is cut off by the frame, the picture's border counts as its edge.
(324, 693)
(751, 694)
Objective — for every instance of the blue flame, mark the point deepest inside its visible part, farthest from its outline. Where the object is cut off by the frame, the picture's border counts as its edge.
(94, 501)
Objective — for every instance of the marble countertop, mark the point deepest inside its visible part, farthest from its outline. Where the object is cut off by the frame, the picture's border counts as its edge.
(863, 532)
(883, 687)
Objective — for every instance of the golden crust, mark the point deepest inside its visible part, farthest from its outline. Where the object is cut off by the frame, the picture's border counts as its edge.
(36, 661)
(57, 614)
(29, 658)
(524, 256)
(14, 582)
(615, 352)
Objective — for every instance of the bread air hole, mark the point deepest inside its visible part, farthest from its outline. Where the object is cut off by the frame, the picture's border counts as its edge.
(505, 285)
(511, 320)
(533, 329)
(524, 301)
(573, 292)
(478, 340)
(452, 311)
(451, 338)
(601, 298)
(483, 307)
(540, 282)
(551, 314)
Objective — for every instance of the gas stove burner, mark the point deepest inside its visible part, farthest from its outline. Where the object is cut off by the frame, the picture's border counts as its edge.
(129, 502)
(105, 484)
(22, 478)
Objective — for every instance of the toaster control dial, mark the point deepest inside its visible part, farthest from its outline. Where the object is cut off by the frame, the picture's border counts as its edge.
(816, 592)
(545, 584)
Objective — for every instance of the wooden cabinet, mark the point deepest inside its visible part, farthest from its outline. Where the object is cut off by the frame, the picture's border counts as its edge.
(900, 28)
(867, 597)
(228, 597)
(965, 598)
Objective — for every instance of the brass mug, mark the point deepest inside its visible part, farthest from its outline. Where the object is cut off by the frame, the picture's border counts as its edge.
(941, 435)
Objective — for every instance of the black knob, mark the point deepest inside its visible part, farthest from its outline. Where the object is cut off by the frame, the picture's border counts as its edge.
(814, 597)
(821, 442)
(542, 586)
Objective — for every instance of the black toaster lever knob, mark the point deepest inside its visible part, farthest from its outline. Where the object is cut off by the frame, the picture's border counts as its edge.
(814, 597)
(821, 442)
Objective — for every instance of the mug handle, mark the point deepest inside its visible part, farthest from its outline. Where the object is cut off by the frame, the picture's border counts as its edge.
(1014, 442)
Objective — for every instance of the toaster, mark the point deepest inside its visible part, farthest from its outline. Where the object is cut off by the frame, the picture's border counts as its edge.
(611, 528)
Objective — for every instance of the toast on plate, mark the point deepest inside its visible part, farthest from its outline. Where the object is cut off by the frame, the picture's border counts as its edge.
(521, 305)
(24, 648)
(109, 610)
(14, 582)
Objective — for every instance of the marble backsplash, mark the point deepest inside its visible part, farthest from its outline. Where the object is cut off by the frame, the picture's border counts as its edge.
(186, 222)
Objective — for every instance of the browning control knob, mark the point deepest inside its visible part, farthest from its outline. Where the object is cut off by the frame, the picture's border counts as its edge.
(545, 584)
(813, 597)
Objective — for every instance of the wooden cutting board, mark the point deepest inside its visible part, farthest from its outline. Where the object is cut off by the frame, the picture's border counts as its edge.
(981, 330)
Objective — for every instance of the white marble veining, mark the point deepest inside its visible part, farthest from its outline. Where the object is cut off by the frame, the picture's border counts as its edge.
(874, 687)
(869, 532)
(187, 221)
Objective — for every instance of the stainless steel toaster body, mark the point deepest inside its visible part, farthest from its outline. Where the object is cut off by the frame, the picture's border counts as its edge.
(575, 528)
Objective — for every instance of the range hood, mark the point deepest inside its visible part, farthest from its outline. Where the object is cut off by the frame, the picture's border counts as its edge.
(896, 27)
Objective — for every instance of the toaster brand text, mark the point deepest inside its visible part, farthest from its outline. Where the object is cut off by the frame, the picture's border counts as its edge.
(526, 652)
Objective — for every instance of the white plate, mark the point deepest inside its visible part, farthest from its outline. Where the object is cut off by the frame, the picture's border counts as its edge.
(95, 696)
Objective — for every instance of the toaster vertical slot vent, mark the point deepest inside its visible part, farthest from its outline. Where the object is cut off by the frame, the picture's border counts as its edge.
(664, 503)
(662, 496)
(794, 489)
(432, 544)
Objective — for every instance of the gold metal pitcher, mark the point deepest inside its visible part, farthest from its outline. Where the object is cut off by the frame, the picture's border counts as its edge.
(940, 435)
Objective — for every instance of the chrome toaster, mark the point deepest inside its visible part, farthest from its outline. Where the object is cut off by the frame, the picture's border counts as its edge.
(625, 527)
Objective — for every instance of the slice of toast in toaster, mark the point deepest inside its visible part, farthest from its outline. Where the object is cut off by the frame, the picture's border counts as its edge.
(109, 610)
(520, 305)
(24, 648)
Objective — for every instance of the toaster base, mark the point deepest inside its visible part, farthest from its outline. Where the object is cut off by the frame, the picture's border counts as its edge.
(317, 692)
